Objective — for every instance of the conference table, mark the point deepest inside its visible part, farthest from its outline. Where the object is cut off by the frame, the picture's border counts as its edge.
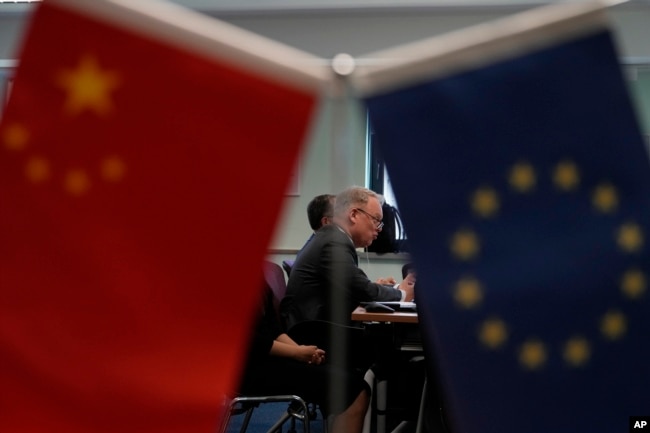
(361, 315)
(393, 331)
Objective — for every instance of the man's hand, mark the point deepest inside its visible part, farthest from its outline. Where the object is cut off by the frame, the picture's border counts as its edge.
(310, 354)
(390, 281)
(407, 286)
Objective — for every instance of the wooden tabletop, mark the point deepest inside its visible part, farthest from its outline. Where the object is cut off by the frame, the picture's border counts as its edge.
(361, 315)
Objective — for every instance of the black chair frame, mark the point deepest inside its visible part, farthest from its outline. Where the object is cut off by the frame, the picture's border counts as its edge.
(297, 410)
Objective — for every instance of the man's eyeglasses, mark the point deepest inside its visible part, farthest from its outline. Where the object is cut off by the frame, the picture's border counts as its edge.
(379, 222)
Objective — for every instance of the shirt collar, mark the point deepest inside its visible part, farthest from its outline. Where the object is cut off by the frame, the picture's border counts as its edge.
(344, 232)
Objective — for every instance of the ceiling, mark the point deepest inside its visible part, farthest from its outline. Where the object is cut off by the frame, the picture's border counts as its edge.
(221, 7)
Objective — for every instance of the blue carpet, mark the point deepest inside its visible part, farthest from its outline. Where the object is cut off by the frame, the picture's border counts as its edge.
(266, 415)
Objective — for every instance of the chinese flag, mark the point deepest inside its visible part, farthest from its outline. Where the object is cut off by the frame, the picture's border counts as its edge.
(140, 183)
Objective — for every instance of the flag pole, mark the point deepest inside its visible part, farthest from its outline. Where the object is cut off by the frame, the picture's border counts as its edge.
(478, 45)
(209, 37)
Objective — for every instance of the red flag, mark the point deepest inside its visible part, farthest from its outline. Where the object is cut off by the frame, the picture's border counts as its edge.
(140, 183)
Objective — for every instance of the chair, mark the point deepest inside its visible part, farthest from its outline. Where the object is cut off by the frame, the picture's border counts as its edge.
(275, 282)
(287, 265)
(298, 409)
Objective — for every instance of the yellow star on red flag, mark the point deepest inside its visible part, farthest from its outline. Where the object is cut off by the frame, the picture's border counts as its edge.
(88, 87)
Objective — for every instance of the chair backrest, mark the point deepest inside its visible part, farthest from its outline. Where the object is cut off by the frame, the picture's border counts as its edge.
(274, 278)
(287, 265)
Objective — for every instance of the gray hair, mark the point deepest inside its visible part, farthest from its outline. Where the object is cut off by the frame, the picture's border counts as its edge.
(352, 197)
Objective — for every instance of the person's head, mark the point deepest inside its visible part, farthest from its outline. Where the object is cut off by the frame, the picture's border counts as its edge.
(320, 211)
(358, 211)
(408, 268)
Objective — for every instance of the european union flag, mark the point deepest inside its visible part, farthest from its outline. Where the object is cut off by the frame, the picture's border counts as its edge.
(524, 186)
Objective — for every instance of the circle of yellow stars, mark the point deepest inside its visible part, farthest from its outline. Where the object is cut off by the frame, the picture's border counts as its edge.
(468, 292)
(88, 88)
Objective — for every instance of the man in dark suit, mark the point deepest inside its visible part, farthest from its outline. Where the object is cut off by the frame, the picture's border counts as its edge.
(326, 282)
(326, 285)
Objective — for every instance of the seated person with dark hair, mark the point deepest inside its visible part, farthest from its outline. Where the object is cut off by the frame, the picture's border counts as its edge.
(408, 269)
(320, 211)
(277, 365)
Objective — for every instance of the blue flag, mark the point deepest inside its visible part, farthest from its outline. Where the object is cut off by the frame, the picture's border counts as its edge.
(524, 186)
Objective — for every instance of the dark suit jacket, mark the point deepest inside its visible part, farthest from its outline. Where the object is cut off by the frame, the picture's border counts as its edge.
(326, 282)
